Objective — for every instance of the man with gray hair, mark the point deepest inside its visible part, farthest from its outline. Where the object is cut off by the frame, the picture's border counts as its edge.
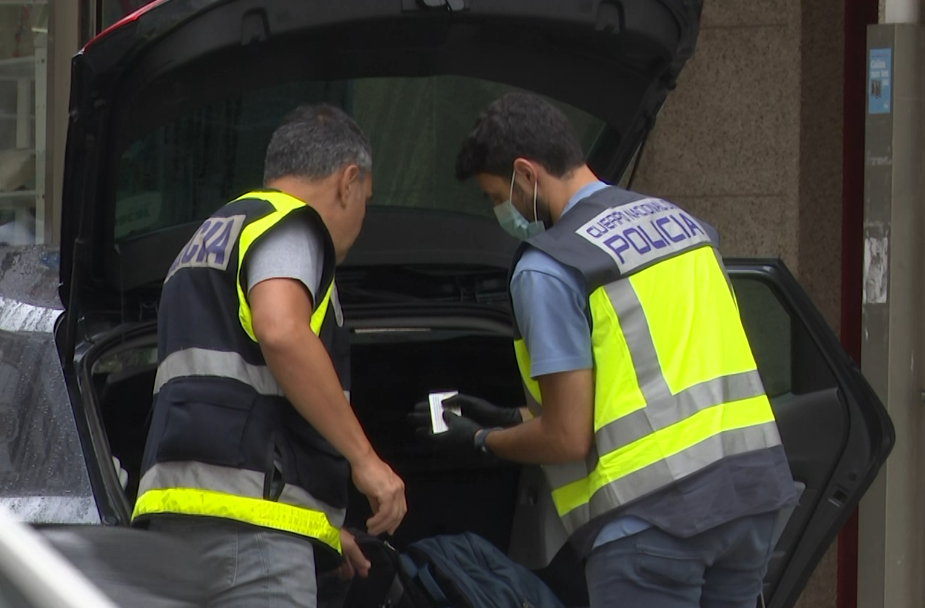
(253, 440)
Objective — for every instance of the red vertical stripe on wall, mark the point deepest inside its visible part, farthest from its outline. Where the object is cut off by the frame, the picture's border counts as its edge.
(858, 15)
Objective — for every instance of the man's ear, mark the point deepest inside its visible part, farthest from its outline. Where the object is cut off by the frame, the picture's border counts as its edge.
(525, 168)
(349, 180)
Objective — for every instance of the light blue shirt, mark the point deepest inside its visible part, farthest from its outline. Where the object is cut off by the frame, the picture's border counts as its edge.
(551, 308)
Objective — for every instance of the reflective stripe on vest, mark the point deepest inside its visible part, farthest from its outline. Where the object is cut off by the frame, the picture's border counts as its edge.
(222, 364)
(676, 386)
(195, 488)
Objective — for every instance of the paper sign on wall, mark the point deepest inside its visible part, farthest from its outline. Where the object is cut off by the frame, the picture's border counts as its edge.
(878, 82)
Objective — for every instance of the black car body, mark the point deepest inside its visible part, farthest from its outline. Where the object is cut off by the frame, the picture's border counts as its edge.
(171, 110)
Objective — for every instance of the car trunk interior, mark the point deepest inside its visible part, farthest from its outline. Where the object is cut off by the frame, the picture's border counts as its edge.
(394, 365)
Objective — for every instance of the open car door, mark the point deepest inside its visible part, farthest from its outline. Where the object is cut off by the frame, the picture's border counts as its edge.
(835, 430)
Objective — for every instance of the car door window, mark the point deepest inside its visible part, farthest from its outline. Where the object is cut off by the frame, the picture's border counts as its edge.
(789, 360)
(769, 329)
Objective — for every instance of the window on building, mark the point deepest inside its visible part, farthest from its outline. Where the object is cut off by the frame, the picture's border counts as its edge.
(23, 83)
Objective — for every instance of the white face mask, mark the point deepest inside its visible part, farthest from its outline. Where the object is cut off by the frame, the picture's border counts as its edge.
(513, 222)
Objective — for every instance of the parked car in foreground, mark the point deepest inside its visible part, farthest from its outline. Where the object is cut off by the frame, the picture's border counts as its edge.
(33, 575)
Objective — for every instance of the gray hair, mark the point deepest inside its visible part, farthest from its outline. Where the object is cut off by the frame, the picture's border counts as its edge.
(315, 141)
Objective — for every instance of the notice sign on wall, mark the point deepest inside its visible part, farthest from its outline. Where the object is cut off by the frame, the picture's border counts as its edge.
(878, 84)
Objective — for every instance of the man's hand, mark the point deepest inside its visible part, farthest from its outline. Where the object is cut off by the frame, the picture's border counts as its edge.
(354, 560)
(478, 410)
(483, 412)
(281, 309)
(459, 436)
(385, 492)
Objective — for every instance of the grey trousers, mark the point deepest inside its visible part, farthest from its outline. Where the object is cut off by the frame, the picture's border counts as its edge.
(720, 568)
(250, 567)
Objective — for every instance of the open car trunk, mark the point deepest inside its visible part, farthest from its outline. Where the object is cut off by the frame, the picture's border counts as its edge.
(171, 111)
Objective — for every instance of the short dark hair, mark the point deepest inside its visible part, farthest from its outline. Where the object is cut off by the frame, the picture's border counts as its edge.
(313, 142)
(519, 125)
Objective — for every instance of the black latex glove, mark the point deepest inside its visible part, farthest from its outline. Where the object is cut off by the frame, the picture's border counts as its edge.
(460, 435)
(474, 408)
(485, 413)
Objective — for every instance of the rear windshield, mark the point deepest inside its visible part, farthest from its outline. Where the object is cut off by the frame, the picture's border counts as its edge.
(182, 172)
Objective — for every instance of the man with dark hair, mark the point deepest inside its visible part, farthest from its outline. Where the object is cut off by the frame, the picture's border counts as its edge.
(660, 446)
(253, 440)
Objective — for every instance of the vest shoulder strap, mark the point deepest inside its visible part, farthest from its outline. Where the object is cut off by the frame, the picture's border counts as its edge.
(287, 208)
(614, 233)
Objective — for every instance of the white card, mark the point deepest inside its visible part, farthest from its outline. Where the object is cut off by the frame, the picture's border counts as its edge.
(436, 411)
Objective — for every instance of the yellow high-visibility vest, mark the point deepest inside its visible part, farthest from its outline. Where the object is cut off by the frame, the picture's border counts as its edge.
(676, 387)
